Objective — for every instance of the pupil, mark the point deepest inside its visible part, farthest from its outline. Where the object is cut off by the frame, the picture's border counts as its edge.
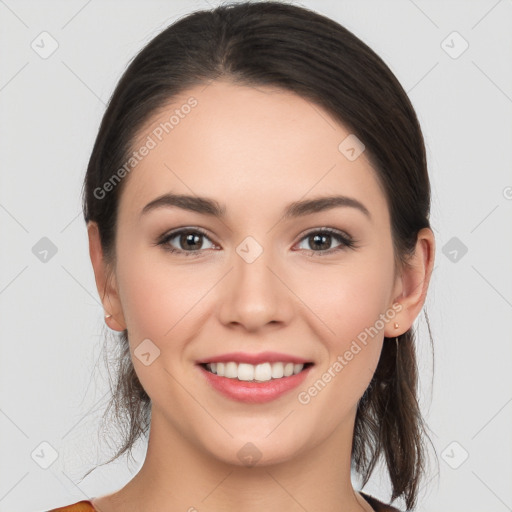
(318, 238)
(191, 240)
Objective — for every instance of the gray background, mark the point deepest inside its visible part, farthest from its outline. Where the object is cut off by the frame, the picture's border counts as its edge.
(51, 318)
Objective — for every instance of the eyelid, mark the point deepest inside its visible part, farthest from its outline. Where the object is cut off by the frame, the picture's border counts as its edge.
(326, 229)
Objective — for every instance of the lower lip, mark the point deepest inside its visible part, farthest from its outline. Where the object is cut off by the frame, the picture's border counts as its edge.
(254, 392)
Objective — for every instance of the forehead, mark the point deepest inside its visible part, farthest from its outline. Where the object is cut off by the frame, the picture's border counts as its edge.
(251, 147)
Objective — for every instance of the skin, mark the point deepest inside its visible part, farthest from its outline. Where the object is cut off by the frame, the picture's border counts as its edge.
(253, 150)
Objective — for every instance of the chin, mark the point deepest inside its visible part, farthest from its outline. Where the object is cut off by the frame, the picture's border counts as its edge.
(250, 451)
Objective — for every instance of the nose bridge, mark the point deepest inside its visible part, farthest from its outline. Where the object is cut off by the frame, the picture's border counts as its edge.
(254, 296)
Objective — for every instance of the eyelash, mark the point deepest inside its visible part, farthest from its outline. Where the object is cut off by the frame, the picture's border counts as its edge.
(346, 241)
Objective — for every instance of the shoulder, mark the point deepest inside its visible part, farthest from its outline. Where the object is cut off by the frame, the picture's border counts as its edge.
(80, 506)
(377, 505)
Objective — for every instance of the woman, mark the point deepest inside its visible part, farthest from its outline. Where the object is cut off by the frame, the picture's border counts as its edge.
(257, 204)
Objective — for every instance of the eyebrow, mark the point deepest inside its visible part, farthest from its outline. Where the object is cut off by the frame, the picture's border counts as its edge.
(207, 206)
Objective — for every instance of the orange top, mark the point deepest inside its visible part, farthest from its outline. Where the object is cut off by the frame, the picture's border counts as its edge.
(86, 506)
(81, 506)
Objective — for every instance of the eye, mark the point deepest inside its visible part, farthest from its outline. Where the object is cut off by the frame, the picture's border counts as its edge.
(321, 240)
(189, 241)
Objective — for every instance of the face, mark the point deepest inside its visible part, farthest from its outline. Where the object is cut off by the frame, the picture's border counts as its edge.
(308, 285)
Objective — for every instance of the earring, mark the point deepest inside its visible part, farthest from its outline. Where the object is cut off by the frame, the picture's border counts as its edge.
(108, 316)
(396, 337)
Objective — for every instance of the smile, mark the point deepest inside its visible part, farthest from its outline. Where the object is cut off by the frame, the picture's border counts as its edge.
(255, 373)
(259, 385)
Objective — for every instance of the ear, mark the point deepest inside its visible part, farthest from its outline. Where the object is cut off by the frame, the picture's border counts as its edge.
(412, 284)
(105, 280)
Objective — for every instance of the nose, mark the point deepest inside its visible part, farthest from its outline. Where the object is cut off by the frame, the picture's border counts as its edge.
(255, 294)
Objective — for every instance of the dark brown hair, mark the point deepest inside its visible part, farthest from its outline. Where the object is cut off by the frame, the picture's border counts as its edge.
(295, 49)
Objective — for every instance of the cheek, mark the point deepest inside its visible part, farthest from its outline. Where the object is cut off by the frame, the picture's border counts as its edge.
(347, 306)
(161, 300)
(147, 295)
(348, 300)
(158, 304)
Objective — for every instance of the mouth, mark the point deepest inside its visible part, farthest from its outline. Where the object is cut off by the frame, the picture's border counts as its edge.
(262, 372)
(254, 378)
(254, 384)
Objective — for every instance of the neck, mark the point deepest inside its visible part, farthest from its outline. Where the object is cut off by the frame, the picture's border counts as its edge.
(177, 475)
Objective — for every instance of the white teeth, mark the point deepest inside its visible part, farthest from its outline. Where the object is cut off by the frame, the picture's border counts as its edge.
(245, 372)
(277, 370)
(297, 368)
(261, 372)
(231, 370)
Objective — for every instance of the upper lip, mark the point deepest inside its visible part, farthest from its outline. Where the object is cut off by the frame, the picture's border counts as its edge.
(261, 357)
